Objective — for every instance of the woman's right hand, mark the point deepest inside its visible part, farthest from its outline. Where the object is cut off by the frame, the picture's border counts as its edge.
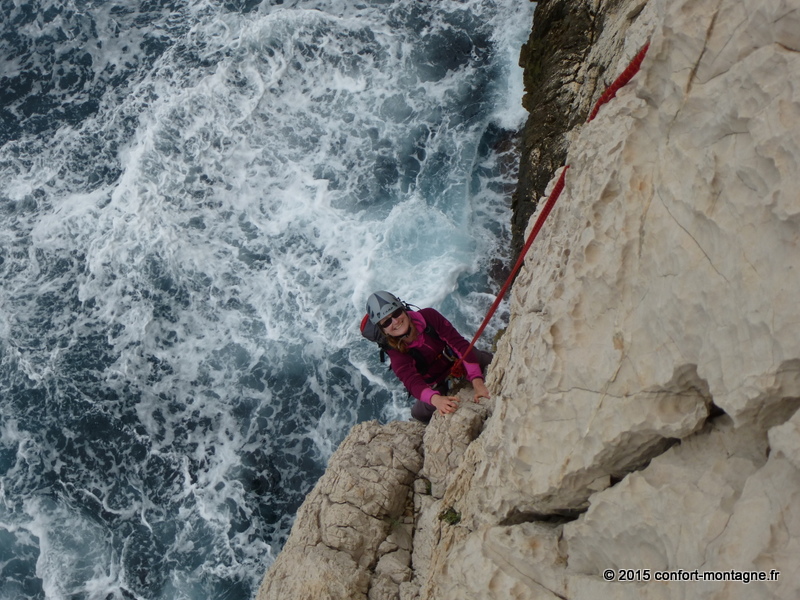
(445, 404)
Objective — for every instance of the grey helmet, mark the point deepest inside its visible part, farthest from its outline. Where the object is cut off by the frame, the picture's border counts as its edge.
(382, 304)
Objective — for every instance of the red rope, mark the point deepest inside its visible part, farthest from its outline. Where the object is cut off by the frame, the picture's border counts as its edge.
(624, 78)
(611, 92)
(457, 369)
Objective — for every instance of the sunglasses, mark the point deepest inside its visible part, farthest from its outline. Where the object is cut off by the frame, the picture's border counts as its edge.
(388, 320)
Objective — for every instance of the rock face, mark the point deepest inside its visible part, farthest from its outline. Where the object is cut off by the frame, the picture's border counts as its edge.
(353, 532)
(645, 390)
(568, 61)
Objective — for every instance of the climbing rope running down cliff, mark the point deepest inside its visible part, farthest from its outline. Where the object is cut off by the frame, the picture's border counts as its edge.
(457, 371)
(623, 79)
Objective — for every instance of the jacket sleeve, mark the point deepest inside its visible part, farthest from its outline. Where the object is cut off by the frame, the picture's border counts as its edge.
(455, 340)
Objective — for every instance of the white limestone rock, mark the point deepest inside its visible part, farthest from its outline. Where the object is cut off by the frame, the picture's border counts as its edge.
(665, 516)
(409, 591)
(521, 562)
(356, 507)
(383, 588)
(316, 572)
(764, 530)
(715, 505)
(427, 535)
(665, 276)
(395, 565)
(392, 570)
(447, 438)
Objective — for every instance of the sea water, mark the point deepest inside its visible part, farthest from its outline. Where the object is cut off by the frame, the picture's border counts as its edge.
(196, 199)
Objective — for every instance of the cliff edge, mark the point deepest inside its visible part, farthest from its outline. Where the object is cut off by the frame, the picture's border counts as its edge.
(643, 423)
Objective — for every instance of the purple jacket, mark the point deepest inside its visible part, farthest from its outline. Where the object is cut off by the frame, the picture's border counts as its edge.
(420, 385)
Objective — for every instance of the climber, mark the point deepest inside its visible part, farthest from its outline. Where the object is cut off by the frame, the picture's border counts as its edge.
(423, 346)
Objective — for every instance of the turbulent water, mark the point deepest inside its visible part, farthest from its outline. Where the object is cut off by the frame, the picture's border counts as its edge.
(196, 199)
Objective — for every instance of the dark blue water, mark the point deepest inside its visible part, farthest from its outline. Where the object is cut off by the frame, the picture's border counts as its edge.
(195, 201)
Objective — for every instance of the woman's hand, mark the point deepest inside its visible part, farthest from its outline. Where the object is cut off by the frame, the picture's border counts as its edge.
(445, 404)
(481, 391)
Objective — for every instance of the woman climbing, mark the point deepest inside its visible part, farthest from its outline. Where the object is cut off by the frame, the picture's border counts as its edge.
(423, 346)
